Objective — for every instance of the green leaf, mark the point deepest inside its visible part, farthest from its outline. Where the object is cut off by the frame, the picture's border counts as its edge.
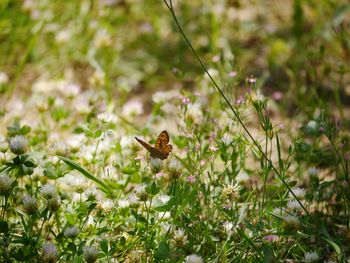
(129, 170)
(50, 171)
(86, 173)
(268, 254)
(167, 207)
(152, 189)
(104, 246)
(162, 252)
(335, 246)
(25, 129)
(4, 227)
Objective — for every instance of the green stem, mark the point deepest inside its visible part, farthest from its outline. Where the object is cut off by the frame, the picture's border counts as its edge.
(171, 9)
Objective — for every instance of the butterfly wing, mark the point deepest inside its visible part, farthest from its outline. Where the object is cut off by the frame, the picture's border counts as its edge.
(162, 144)
(155, 153)
(144, 144)
(162, 140)
(166, 150)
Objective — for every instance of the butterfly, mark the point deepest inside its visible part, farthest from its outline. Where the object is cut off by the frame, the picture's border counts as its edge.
(161, 149)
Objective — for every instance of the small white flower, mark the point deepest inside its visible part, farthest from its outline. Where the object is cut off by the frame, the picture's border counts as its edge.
(213, 148)
(49, 253)
(195, 112)
(59, 148)
(228, 226)
(123, 203)
(193, 259)
(312, 124)
(48, 191)
(90, 254)
(105, 117)
(226, 139)
(5, 184)
(291, 220)
(311, 256)
(4, 78)
(156, 165)
(175, 168)
(107, 204)
(71, 232)
(29, 203)
(299, 192)
(18, 144)
(180, 237)
(132, 108)
(293, 205)
(63, 36)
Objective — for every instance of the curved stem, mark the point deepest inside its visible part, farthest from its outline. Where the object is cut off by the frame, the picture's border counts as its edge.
(172, 11)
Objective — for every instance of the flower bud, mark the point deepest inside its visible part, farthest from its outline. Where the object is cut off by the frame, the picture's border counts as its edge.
(18, 144)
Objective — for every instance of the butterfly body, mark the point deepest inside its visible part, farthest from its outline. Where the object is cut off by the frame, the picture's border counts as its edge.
(161, 149)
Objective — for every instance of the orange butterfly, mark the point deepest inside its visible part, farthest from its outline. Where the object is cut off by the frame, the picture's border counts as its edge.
(161, 149)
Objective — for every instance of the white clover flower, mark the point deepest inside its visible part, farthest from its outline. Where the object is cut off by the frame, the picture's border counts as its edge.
(54, 203)
(164, 198)
(3, 146)
(90, 254)
(160, 97)
(293, 205)
(4, 78)
(179, 237)
(123, 203)
(228, 226)
(59, 148)
(193, 259)
(141, 193)
(195, 112)
(5, 184)
(230, 191)
(291, 220)
(226, 139)
(107, 204)
(156, 165)
(299, 192)
(312, 124)
(30, 204)
(63, 36)
(126, 141)
(165, 227)
(49, 253)
(311, 256)
(71, 232)
(48, 191)
(105, 117)
(18, 144)
(164, 96)
(175, 168)
(132, 108)
(74, 142)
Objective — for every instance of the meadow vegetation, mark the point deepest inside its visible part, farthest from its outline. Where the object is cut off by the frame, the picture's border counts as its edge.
(255, 96)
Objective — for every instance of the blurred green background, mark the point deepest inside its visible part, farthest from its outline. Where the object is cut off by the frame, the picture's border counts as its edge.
(298, 50)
